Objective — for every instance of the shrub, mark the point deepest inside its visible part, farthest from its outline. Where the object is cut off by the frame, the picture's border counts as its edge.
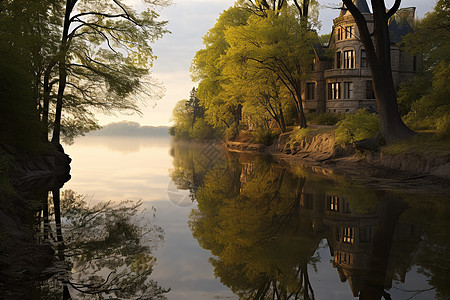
(356, 127)
(263, 136)
(232, 132)
(325, 118)
(202, 130)
(300, 134)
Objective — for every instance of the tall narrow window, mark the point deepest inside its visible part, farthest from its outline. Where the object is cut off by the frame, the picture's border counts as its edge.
(365, 234)
(339, 34)
(333, 203)
(348, 32)
(349, 61)
(334, 90)
(348, 90)
(346, 207)
(348, 235)
(369, 90)
(338, 60)
(310, 86)
(363, 59)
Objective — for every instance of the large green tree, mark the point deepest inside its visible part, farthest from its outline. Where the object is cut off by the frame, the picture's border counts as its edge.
(68, 58)
(266, 98)
(103, 55)
(222, 108)
(276, 44)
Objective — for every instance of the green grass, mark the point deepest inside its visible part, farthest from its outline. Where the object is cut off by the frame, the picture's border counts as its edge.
(425, 144)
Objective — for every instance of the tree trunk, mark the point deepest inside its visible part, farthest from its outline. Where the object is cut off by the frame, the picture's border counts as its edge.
(282, 121)
(300, 111)
(46, 102)
(59, 101)
(70, 4)
(379, 58)
(392, 126)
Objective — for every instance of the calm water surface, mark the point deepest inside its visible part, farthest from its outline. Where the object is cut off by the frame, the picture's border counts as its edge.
(240, 226)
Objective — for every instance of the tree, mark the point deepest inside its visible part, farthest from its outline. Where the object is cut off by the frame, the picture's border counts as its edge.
(103, 54)
(379, 58)
(183, 120)
(222, 109)
(261, 7)
(190, 123)
(277, 44)
(26, 41)
(194, 107)
(266, 98)
(424, 99)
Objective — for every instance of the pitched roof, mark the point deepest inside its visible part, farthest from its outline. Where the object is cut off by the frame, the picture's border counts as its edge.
(360, 4)
(401, 24)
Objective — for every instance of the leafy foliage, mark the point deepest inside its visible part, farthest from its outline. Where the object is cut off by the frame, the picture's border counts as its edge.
(70, 59)
(271, 52)
(207, 67)
(356, 127)
(263, 136)
(325, 118)
(189, 118)
(425, 99)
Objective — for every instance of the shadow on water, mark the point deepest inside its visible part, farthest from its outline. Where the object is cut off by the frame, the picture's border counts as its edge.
(265, 223)
(55, 245)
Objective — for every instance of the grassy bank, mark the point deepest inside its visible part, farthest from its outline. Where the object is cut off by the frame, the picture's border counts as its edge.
(423, 145)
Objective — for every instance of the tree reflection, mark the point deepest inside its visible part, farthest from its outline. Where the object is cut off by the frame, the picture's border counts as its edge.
(103, 250)
(432, 214)
(249, 217)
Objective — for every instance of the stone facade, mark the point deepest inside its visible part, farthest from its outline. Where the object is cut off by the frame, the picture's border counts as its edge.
(341, 80)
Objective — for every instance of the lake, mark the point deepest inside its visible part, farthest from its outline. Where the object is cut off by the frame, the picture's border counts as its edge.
(228, 226)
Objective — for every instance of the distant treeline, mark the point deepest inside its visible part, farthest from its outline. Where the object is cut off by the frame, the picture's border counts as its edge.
(127, 128)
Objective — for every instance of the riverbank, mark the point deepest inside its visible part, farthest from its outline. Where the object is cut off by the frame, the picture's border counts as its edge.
(416, 168)
(25, 179)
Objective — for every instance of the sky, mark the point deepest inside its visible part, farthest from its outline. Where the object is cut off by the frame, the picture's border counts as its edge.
(189, 21)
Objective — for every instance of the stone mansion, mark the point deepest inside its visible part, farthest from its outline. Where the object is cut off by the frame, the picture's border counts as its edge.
(343, 83)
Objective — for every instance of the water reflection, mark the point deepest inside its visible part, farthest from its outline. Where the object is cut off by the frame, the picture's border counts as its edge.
(264, 222)
(102, 250)
(60, 247)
